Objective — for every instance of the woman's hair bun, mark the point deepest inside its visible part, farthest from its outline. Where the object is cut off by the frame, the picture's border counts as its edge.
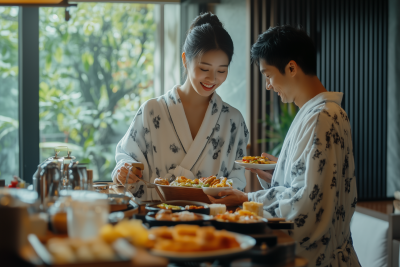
(207, 33)
(205, 18)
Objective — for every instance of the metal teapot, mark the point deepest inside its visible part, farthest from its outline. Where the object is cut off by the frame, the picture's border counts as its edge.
(53, 175)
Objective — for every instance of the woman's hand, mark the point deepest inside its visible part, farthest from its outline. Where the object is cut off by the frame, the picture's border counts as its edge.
(232, 197)
(265, 175)
(122, 172)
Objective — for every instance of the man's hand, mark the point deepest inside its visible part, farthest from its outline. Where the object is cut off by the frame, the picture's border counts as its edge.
(265, 175)
(122, 172)
(231, 197)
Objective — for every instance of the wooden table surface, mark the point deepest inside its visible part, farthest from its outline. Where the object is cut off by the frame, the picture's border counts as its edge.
(144, 258)
(379, 209)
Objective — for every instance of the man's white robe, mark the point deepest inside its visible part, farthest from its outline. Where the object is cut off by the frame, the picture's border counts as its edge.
(314, 183)
(160, 138)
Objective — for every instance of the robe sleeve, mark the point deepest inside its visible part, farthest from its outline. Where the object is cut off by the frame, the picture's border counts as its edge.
(310, 199)
(237, 173)
(133, 146)
(263, 183)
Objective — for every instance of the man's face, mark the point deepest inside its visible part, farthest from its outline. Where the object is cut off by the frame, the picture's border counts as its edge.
(275, 80)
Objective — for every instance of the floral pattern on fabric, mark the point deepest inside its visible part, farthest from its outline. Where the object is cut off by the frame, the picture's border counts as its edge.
(320, 193)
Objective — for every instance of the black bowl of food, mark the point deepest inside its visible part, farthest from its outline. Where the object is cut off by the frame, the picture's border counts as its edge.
(240, 222)
(169, 218)
(180, 205)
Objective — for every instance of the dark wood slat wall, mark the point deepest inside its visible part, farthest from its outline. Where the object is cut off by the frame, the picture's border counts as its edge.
(351, 42)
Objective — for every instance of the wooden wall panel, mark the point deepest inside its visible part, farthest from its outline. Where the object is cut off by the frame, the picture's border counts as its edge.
(351, 41)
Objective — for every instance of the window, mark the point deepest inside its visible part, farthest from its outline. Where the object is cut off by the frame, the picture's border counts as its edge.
(95, 72)
(9, 149)
(234, 89)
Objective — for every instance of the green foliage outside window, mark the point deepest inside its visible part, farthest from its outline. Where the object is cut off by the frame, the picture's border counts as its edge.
(95, 72)
(8, 92)
(278, 127)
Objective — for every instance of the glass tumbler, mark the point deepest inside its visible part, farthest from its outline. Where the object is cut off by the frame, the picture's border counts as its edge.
(87, 213)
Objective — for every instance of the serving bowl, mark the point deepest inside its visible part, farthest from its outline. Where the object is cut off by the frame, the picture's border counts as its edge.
(168, 193)
(214, 191)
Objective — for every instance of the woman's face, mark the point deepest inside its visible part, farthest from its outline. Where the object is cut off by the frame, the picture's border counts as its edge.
(208, 72)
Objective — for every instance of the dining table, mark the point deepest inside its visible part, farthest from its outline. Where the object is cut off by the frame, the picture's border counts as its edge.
(274, 249)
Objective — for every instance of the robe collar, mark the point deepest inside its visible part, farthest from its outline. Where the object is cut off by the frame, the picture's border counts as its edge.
(335, 97)
(192, 148)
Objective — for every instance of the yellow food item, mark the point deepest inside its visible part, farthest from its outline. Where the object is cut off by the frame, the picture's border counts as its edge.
(168, 207)
(108, 234)
(257, 160)
(182, 179)
(220, 183)
(132, 230)
(255, 207)
(240, 216)
(161, 181)
(73, 250)
(192, 238)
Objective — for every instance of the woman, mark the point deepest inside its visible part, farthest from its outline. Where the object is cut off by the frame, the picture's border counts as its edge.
(189, 131)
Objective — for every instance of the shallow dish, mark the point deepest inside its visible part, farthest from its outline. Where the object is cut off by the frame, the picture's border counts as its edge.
(264, 167)
(214, 191)
(151, 220)
(182, 203)
(246, 243)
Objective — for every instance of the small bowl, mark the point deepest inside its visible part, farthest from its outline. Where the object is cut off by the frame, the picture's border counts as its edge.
(214, 191)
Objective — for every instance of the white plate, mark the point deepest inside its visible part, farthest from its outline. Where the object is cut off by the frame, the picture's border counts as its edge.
(213, 191)
(246, 243)
(264, 167)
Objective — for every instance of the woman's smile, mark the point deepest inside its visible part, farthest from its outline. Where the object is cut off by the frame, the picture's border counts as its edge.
(207, 87)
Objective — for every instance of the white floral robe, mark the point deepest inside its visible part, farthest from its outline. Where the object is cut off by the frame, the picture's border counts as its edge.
(160, 138)
(314, 183)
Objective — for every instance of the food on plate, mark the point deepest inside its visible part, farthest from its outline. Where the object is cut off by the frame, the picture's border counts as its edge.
(185, 182)
(241, 216)
(257, 160)
(193, 207)
(167, 215)
(133, 230)
(168, 207)
(211, 181)
(255, 207)
(161, 181)
(68, 250)
(192, 238)
(214, 182)
(216, 209)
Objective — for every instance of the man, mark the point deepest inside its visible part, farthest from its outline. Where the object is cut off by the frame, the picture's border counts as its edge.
(313, 183)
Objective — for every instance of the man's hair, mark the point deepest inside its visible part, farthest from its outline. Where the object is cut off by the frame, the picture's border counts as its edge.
(281, 44)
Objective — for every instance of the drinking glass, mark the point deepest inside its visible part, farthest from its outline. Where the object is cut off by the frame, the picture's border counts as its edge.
(87, 213)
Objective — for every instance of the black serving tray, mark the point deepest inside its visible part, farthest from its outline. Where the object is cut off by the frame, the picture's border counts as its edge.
(242, 228)
(289, 225)
(150, 219)
(182, 203)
